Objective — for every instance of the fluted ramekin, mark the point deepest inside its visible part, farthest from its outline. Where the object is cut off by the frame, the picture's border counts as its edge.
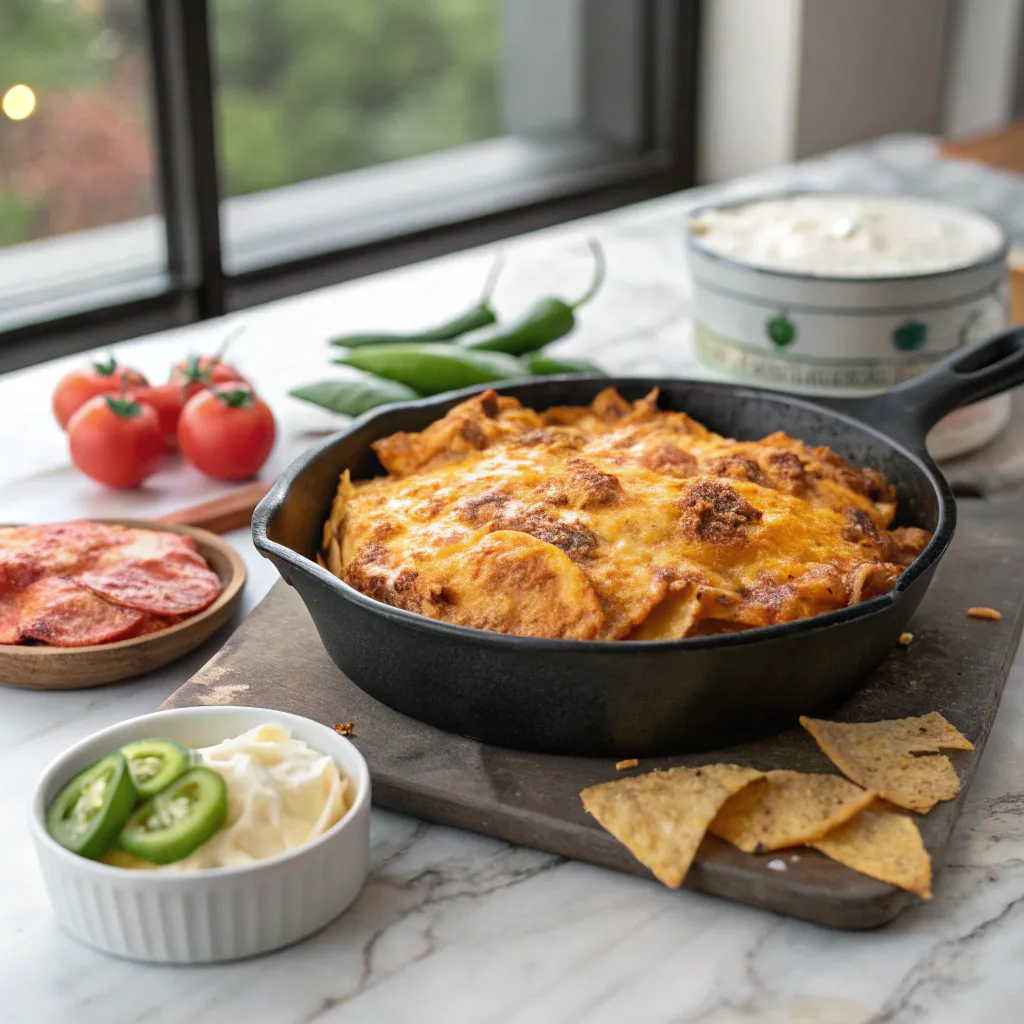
(217, 913)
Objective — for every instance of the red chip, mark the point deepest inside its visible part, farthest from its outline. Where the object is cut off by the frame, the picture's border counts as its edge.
(57, 611)
(172, 585)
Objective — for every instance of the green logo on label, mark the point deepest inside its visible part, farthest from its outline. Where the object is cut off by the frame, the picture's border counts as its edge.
(910, 336)
(781, 331)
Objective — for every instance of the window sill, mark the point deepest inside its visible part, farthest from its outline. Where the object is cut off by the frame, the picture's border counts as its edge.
(391, 200)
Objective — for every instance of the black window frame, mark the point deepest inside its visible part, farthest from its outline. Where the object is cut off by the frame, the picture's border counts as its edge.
(657, 108)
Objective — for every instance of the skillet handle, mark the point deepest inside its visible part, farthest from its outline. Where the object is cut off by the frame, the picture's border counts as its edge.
(965, 376)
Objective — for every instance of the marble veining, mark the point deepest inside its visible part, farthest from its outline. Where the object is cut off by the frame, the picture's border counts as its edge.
(453, 926)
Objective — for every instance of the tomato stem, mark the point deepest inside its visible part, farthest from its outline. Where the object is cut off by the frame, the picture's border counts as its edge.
(238, 398)
(107, 369)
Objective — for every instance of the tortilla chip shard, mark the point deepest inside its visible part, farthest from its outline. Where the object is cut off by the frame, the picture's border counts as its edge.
(661, 817)
(884, 845)
(786, 809)
(884, 756)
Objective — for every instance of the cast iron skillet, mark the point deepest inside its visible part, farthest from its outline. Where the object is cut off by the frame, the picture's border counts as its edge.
(635, 698)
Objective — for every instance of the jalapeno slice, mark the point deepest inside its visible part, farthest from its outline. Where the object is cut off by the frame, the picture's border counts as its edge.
(170, 825)
(155, 764)
(90, 811)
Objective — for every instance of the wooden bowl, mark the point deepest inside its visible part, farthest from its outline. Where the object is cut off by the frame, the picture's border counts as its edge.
(72, 668)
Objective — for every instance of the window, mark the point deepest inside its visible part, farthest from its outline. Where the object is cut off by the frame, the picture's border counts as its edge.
(78, 195)
(188, 158)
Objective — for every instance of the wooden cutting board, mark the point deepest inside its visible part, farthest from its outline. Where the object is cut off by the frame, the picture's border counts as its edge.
(956, 665)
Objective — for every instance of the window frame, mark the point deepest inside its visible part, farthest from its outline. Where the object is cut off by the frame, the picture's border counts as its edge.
(641, 110)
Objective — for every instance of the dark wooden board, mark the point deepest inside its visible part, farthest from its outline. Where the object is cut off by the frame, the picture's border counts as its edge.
(955, 665)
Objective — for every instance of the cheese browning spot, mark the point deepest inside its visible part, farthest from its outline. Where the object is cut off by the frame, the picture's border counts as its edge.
(715, 513)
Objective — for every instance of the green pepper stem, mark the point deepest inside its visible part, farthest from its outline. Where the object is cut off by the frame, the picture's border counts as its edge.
(218, 356)
(492, 278)
(600, 265)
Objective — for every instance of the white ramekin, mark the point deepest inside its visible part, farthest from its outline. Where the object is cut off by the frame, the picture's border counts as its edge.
(850, 335)
(218, 913)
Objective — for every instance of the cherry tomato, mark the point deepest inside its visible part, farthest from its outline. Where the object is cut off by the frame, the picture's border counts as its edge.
(227, 434)
(77, 387)
(168, 400)
(197, 373)
(117, 441)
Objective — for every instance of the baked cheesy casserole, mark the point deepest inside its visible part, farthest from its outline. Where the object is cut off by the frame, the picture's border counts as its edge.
(613, 521)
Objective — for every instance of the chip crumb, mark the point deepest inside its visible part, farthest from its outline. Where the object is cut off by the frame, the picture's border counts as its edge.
(344, 728)
(984, 613)
(906, 639)
(777, 865)
(629, 762)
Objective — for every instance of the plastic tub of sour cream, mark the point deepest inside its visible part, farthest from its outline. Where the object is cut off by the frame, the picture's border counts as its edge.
(291, 856)
(839, 295)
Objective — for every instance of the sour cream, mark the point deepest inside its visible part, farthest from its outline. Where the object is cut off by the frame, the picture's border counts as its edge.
(848, 236)
(281, 795)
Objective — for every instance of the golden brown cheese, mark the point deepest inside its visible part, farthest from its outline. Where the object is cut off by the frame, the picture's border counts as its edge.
(612, 521)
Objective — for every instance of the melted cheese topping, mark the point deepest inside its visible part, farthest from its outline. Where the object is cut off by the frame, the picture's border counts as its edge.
(612, 521)
(281, 794)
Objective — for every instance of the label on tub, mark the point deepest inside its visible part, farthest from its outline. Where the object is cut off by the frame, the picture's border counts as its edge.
(813, 351)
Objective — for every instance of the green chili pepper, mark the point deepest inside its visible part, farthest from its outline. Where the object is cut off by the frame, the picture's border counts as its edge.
(480, 314)
(180, 818)
(431, 369)
(90, 810)
(545, 321)
(541, 365)
(155, 764)
(354, 397)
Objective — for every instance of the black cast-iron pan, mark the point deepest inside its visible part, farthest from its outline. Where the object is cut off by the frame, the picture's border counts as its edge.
(636, 698)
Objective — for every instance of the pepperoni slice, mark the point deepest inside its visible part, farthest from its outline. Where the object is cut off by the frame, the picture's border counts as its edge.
(81, 583)
(153, 624)
(172, 585)
(10, 619)
(56, 610)
(54, 549)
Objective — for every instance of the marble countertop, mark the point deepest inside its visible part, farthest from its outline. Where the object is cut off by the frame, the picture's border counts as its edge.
(451, 926)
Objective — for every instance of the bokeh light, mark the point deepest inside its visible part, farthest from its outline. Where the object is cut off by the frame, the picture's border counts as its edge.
(19, 102)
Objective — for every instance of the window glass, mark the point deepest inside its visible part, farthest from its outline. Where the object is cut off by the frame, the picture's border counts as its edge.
(310, 88)
(75, 140)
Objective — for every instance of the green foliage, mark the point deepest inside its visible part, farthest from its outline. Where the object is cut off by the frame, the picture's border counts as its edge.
(46, 45)
(315, 87)
(17, 217)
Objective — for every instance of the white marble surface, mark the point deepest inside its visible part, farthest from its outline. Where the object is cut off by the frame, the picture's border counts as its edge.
(454, 927)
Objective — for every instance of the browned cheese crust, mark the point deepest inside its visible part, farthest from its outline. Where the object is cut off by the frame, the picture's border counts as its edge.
(612, 521)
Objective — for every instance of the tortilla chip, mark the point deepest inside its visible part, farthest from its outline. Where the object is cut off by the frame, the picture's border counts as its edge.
(880, 756)
(882, 845)
(662, 816)
(788, 809)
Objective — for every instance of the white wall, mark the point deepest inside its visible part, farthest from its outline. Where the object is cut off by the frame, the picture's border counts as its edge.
(784, 79)
(870, 68)
(750, 62)
(983, 59)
